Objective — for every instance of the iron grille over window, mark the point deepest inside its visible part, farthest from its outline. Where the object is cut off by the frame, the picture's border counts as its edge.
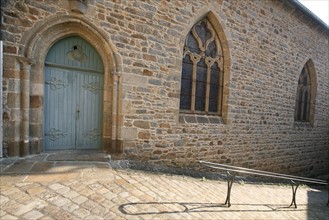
(303, 96)
(202, 75)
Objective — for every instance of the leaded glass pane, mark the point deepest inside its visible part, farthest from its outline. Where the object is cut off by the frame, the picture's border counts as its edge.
(201, 83)
(192, 44)
(305, 110)
(185, 103)
(186, 86)
(299, 104)
(211, 50)
(302, 103)
(214, 88)
(305, 80)
(187, 68)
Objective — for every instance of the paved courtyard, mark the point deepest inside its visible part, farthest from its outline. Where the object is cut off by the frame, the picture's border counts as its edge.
(43, 189)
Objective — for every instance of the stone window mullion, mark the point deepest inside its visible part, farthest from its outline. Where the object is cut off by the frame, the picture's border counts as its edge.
(193, 87)
(209, 64)
(207, 90)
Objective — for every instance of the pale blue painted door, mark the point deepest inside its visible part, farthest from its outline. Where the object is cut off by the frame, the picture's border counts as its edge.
(73, 96)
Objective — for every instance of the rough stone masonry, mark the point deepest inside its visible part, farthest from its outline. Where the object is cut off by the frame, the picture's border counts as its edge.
(265, 43)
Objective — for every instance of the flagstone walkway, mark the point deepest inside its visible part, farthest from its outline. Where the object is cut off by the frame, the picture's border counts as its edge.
(42, 189)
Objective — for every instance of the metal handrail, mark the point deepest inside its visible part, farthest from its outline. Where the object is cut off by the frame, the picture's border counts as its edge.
(231, 176)
(262, 173)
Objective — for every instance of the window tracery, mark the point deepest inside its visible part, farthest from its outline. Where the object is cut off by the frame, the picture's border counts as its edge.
(303, 96)
(202, 71)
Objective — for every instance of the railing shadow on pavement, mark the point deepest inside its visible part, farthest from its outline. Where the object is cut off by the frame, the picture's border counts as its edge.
(156, 208)
(314, 195)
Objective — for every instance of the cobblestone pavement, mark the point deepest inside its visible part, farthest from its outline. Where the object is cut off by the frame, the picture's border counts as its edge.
(93, 190)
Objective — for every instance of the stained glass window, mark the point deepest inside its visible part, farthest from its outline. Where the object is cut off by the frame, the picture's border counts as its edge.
(202, 75)
(186, 87)
(303, 96)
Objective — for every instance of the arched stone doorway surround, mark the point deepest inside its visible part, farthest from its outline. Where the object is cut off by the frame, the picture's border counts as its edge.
(35, 45)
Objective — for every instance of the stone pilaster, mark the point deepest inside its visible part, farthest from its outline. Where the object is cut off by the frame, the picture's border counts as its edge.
(25, 107)
(116, 144)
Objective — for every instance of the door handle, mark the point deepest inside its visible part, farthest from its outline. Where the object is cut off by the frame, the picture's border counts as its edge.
(77, 114)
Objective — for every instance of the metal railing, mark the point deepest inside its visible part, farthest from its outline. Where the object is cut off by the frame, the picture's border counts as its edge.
(231, 172)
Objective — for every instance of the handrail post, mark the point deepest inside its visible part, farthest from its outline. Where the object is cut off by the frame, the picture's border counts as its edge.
(294, 186)
(295, 180)
(230, 180)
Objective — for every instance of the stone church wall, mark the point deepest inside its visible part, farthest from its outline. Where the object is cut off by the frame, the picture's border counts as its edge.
(265, 43)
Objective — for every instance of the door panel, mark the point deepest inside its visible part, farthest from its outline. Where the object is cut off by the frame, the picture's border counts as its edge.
(89, 129)
(73, 109)
(59, 109)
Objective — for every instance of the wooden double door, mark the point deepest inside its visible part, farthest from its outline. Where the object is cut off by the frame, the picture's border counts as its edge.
(73, 102)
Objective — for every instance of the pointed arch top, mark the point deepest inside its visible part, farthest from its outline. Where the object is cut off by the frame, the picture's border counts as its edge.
(38, 40)
(221, 30)
(311, 68)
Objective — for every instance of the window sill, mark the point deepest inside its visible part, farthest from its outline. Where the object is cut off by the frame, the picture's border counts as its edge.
(300, 124)
(199, 119)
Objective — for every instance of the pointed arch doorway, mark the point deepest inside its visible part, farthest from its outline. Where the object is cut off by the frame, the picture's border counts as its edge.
(74, 79)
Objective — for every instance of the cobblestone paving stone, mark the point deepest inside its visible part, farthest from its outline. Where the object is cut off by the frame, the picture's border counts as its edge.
(93, 190)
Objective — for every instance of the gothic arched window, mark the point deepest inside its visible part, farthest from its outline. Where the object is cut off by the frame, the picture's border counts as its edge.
(303, 97)
(202, 71)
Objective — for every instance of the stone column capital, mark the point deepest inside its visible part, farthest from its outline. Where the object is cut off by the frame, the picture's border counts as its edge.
(24, 61)
(116, 73)
(116, 76)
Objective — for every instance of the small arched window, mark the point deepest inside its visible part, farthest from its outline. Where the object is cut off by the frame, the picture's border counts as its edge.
(303, 97)
(202, 71)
